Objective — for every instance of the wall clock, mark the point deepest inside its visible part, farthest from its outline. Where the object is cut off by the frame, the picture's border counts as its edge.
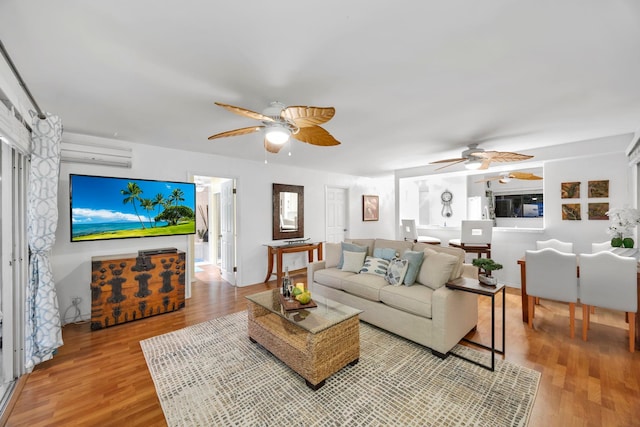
(446, 198)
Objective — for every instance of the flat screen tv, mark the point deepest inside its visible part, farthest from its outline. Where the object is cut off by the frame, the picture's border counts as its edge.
(118, 208)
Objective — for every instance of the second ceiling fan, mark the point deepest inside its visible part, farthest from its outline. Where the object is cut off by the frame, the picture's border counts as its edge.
(503, 178)
(280, 122)
(477, 158)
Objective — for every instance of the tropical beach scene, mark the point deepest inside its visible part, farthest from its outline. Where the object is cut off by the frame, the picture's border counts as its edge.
(115, 208)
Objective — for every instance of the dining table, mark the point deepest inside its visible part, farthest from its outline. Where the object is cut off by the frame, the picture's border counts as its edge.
(522, 262)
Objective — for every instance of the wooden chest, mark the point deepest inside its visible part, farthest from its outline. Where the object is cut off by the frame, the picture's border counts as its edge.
(131, 287)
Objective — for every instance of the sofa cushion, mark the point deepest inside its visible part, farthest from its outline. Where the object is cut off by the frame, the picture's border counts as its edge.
(457, 252)
(332, 252)
(385, 253)
(412, 299)
(365, 243)
(415, 259)
(331, 277)
(396, 271)
(399, 245)
(364, 285)
(375, 266)
(353, 261)
(351, 247)
(436, 268)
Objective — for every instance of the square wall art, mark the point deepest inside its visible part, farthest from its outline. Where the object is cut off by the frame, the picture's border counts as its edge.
(571, 211)
(570, 190)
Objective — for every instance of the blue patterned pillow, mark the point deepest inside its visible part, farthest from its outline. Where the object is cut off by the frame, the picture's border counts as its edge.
(376, 266)
(415, 261)
(350, 247)
(384, 253)
(396, 271)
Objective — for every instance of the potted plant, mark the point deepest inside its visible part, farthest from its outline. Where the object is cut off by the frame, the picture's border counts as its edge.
(487, 265)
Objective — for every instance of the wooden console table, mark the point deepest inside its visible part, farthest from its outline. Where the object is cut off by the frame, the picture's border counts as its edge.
(279, 250)
(130, 287)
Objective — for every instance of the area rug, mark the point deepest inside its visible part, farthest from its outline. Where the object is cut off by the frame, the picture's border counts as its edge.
(211, 374)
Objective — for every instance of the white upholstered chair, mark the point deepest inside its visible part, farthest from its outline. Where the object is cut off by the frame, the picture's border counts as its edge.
(553, 275)
(610, 281)
(555, 244)
(599, 247)
(475, 237)
(410, 233)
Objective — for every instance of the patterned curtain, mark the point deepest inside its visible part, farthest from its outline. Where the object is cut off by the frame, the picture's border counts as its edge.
(43, 334)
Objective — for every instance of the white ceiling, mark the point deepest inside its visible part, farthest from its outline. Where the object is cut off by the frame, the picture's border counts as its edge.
(412, 82)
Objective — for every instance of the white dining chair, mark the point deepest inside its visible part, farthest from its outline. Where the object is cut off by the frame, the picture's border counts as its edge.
(553, 275)
(410, 233)
(599, 247)
(555, 244)
(609, 281)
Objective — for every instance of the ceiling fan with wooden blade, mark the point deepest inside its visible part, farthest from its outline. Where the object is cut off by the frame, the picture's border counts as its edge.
(280, 122)
(508, 176)
(477, 158)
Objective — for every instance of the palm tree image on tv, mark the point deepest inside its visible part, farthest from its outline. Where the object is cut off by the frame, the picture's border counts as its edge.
(113, 208)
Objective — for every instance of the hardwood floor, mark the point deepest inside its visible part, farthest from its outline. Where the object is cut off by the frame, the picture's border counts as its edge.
(100, 378)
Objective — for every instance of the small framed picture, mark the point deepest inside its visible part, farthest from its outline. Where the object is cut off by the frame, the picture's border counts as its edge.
(570, 190)
(370, 208)
(571, 212)
(598, 211)
(598, 189)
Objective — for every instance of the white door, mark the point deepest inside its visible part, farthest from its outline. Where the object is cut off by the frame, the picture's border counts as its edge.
(228, 231)
(336, 202)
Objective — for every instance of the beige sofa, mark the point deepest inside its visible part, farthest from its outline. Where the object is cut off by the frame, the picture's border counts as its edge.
(426, 312)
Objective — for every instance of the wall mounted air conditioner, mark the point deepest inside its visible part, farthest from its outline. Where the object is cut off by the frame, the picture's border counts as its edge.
(95, 154)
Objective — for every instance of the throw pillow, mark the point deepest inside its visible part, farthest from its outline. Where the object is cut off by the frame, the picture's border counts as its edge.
(415, 261)
(332, 252)
(375, 266)
(384, 253)
(436, 269)
(351, 248)
(353, 261)
(396, 271)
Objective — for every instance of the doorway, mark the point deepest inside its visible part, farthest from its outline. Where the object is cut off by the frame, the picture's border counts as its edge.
(214, 245)
(336, 204)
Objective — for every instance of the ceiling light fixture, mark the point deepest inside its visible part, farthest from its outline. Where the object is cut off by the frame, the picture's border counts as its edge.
(473, 164)
(277, 134)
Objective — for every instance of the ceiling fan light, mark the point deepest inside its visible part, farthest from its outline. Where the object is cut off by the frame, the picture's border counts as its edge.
(473, 164)
(277, 134)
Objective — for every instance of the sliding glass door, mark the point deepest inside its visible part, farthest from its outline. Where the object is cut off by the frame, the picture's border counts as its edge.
(14, 266)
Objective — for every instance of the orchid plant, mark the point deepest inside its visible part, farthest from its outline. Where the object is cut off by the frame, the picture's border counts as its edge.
(622, 221)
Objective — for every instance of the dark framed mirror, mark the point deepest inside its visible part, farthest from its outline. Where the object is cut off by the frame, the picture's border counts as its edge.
(288, 211)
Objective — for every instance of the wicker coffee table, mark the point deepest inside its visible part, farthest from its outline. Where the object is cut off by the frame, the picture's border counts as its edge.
(315, 343)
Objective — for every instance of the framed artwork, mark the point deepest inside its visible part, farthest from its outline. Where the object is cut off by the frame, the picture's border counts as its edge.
(571, 212)
(597, 189)
(598, 211)
(570, 190)
(370, 208)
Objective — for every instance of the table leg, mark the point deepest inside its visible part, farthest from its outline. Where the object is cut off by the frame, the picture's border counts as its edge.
(493, 332)
(638, 320)
(269, 265)
(523, 293)
(504, 320)
(320, 251)
(279, 268)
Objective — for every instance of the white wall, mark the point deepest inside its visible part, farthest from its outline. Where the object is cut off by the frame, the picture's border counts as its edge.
(71, 261)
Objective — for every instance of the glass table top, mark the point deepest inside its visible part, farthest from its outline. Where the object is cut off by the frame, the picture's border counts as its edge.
(328, 312)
